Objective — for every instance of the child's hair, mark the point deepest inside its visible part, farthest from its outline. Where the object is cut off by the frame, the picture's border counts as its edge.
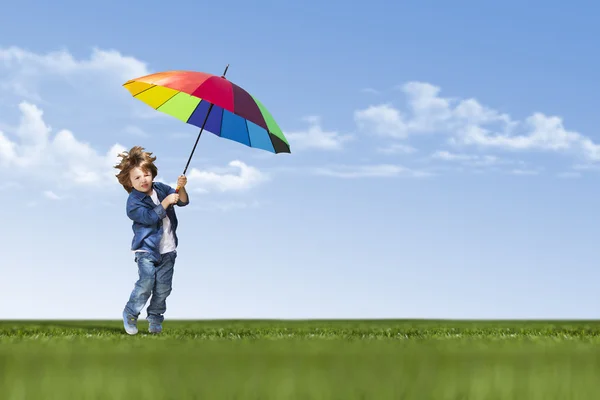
(136, 157)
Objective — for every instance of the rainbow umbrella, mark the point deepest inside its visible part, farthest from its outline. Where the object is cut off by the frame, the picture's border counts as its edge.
(212, 103)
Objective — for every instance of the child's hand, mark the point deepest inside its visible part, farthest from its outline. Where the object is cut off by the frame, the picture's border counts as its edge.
(181, 181)
(171, 199)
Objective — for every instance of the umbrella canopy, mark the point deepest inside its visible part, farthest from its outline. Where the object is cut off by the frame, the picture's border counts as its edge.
(213, 103)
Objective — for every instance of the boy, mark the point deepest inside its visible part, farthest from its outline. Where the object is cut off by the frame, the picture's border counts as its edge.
(154, 235)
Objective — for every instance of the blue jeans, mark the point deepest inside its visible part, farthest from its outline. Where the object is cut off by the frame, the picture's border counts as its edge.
(154, 279)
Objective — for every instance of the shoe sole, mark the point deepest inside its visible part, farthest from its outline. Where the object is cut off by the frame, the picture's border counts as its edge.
(130, 331)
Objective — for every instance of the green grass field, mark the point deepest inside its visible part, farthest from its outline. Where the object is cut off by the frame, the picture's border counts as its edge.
(301, 360)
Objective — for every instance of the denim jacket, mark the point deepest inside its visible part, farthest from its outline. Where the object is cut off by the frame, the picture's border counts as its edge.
(147, 218)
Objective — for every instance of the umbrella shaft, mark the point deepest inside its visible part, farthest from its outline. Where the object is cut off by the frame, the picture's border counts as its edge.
(198, 138)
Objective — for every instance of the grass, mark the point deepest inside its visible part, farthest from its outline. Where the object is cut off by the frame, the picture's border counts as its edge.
(301, 360)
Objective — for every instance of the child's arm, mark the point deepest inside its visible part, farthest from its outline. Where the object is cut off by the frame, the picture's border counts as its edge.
(150, 216)
(183, 197)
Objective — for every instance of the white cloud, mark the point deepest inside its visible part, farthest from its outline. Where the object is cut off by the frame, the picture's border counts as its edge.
(67, 161)
(135, 131)
(542, 132)
(227, 206)
(60, 80)
(586, 167)
(225, 179)
(447, 156)
(471, 159)
(397, 148)
(35, 153)
(64, 63)
(569, 174)
(468, 122)
(480, 163)
(51, 195)
(524, 172)
(383, 120)
(33, 149)
(317, 138)
(369, 171)
(23, 70)
(370, 90)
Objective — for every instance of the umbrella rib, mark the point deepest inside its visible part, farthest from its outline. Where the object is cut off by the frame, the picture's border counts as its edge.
(221, 123)
(164, 102)
(154, 86)
(248, 132)
(148, 88)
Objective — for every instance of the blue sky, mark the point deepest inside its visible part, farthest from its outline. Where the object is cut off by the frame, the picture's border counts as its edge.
(444, 160)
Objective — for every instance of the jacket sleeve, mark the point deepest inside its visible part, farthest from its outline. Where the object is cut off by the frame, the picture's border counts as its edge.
(137, 212)
(170, 190)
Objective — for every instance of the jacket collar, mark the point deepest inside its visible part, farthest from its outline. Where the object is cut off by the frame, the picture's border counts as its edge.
(136, 194)
(140, 195)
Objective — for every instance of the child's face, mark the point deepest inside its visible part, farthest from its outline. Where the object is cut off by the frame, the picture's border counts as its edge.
(141, 180)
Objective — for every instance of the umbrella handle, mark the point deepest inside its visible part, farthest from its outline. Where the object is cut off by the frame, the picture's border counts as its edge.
(177, 189)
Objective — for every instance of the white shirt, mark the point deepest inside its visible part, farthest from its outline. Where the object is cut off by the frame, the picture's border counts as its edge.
(167, 242)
